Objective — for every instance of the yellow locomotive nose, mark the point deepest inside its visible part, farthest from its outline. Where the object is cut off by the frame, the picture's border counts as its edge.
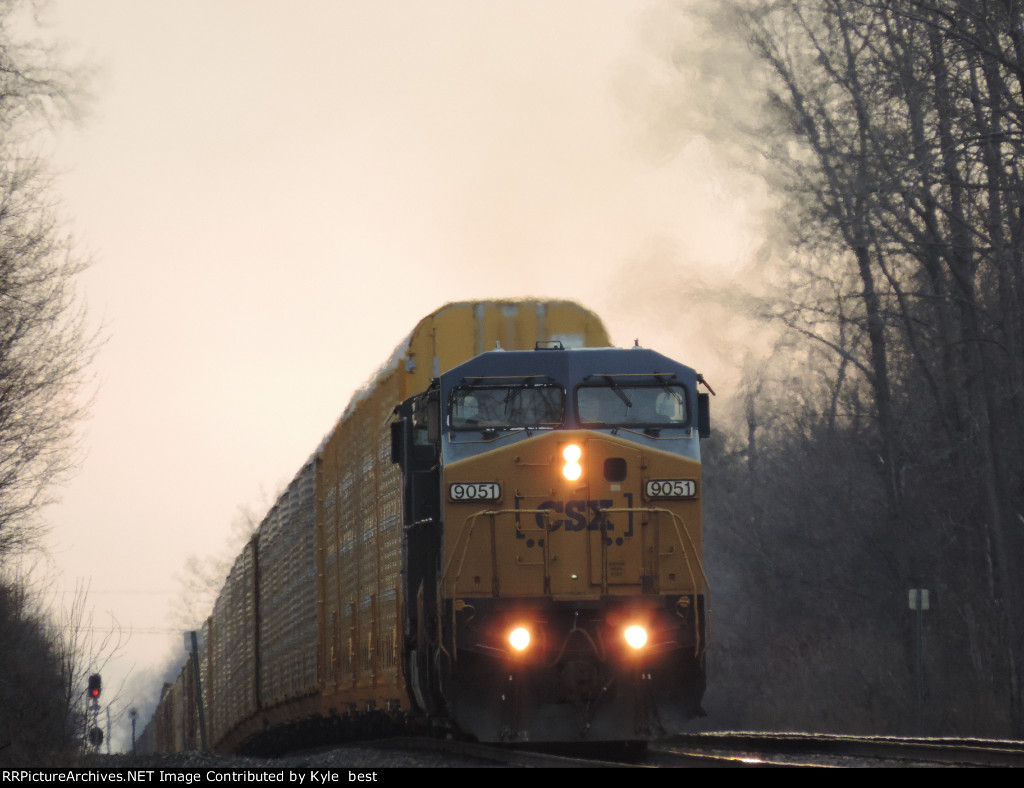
(572, 470)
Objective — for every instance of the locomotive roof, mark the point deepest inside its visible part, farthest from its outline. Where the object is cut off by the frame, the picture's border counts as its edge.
(569, 367)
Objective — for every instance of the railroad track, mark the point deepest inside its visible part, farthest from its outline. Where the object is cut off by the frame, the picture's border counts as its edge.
(728, 750)
(741, 750)
(830, 751)
(551, 757)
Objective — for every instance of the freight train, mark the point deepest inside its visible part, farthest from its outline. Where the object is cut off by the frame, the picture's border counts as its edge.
(500, 538)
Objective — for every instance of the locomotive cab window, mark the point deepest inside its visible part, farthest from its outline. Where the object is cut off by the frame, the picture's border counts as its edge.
(506, 407)
(617, 405)
(426, 419)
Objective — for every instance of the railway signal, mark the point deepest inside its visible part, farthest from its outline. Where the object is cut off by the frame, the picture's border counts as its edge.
(94, 735)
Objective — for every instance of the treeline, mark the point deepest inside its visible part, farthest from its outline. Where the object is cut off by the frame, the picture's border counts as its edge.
(42, 706)
(45, 350)
(880, 447)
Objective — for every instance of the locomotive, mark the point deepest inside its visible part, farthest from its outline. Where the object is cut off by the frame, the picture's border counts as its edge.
(501, 537)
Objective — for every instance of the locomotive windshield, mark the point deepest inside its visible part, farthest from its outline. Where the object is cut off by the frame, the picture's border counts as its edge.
(493, 407)
(616, 405)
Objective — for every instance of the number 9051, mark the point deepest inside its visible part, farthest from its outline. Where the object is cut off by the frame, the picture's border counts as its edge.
(475, 491)
(671, 488)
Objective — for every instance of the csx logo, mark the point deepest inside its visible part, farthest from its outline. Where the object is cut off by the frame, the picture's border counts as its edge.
(579, 515)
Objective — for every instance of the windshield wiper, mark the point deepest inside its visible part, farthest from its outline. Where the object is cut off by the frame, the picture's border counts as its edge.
(674, 393)
(619, 392)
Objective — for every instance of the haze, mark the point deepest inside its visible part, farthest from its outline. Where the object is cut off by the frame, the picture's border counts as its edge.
(273, 194)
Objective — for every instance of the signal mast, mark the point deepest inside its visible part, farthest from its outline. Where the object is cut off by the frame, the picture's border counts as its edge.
(92, 703)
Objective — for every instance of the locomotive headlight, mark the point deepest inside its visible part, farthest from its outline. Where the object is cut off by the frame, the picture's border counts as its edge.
(519, 638)
(572, 470)
(636, 636)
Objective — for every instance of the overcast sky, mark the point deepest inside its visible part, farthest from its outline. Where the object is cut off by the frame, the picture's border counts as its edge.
(273, 194)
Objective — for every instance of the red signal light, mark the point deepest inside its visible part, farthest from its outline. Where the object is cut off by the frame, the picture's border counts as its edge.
(95, 684)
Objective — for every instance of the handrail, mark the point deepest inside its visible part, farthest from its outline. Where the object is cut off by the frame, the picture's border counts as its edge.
(680, 529)
(698, 580)
(464, 537)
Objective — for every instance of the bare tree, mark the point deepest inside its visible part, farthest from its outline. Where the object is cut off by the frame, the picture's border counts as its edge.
(45, 349)
(892, 133)
(45, 344)
(202, 578)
